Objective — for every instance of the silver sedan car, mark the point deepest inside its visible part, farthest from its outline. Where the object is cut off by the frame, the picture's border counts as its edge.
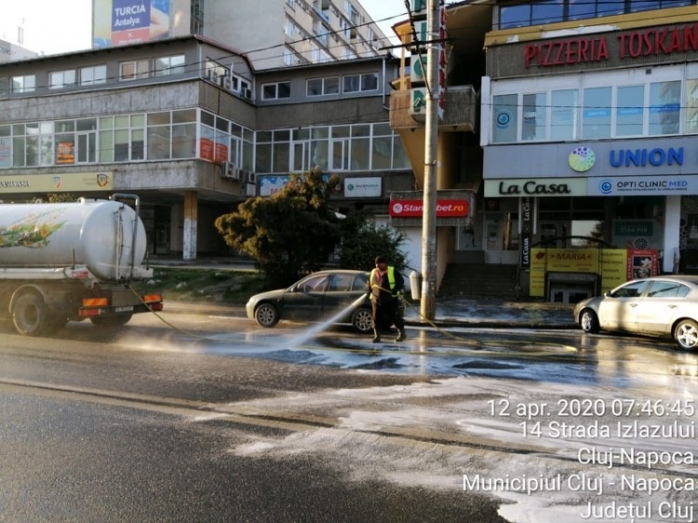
(664, 306)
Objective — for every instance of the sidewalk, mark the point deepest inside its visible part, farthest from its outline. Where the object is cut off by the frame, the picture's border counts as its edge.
(449, 312)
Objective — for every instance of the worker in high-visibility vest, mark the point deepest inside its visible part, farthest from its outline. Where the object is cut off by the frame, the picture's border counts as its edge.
(386, 286)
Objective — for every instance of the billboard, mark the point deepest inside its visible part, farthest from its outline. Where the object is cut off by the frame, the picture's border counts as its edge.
(122, 22)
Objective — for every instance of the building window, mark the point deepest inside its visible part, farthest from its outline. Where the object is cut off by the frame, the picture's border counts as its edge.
(289, 57)
(184, 133)
(133, 70)
(86, 130)
(24, 84)
(93, 75)
(534, 119)
(168, 65)
(290, 28)
(630, 110)
(360, 82)
(323, 86)
(542, 12)
(159, 136)
(665, 108)
(618, 104)
(61, 79)
(504, 118)
(122, 138)
(563, 117)
(276, 91)
(547, 12)
(596, 113)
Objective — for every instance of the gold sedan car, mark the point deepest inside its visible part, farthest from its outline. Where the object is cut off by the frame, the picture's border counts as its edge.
(661, 306)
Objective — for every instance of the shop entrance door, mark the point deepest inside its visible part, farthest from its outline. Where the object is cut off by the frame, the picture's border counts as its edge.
(501, 238)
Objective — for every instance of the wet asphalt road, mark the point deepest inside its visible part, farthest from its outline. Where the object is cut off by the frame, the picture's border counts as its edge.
(118, 430)
(209, 419)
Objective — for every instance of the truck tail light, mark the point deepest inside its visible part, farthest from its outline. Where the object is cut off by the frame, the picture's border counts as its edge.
(152, 298)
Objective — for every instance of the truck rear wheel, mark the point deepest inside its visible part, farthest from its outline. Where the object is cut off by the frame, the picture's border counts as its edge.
(29, 315)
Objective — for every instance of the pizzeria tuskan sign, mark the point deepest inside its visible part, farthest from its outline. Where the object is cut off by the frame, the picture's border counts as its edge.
(597, 48)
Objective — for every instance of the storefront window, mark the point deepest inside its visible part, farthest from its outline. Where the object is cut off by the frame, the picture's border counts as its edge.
(665, 106)
(534, 109)
(630, 111)
(504, 122)
(563, 119)
(691, 106)
(596, 113)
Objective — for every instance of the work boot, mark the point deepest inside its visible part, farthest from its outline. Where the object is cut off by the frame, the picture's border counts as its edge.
(376, 336)
(401, 335)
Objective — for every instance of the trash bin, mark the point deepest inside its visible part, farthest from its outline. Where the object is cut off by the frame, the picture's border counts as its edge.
(415, 285)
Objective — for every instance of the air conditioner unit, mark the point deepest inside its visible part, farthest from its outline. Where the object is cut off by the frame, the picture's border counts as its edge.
(211, 75)
(224, 82)
(230, 170)
(249, 177)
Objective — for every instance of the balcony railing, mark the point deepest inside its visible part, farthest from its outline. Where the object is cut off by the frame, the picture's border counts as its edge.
(460, 114)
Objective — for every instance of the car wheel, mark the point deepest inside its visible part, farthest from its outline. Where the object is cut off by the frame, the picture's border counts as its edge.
(266, 315)
(588, 321)
(686, 334)
(361, 320)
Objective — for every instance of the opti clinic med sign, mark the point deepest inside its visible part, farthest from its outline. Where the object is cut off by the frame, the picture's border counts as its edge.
(415, 208)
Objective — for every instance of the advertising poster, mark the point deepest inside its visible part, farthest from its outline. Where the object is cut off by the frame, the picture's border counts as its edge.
(65, 152)
(611, 264)
(121, 22)
(642, 263)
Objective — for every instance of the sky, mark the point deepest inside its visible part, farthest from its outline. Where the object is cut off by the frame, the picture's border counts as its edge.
(54, 26)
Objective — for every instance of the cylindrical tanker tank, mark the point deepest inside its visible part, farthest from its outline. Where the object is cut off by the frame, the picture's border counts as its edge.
(94, 233)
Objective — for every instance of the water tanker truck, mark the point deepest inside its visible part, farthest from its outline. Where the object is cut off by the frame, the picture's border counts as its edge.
(63, 262)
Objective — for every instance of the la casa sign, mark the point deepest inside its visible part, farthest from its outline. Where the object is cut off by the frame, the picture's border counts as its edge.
(415, 208)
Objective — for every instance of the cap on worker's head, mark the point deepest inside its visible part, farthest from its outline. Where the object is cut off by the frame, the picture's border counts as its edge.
(380, 259)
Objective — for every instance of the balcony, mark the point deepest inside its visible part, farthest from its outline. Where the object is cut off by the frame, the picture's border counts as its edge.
(460, 115)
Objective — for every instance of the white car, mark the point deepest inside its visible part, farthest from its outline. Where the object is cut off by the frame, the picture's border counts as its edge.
(665, 306)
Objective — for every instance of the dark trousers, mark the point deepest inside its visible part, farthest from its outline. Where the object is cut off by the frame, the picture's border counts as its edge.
(387, 314)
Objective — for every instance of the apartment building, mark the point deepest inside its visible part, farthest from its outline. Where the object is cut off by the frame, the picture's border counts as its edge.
(187, 125)
(272, 33)
(587, 116)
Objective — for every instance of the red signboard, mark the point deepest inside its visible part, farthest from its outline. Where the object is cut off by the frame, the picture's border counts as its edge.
(640, 43)
(642, 263)
(414, 208)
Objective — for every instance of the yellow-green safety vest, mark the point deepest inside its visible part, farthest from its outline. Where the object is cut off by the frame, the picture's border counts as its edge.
(391, 278)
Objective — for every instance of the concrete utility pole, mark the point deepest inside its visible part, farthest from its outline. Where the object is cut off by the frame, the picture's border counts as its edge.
(431, 138)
